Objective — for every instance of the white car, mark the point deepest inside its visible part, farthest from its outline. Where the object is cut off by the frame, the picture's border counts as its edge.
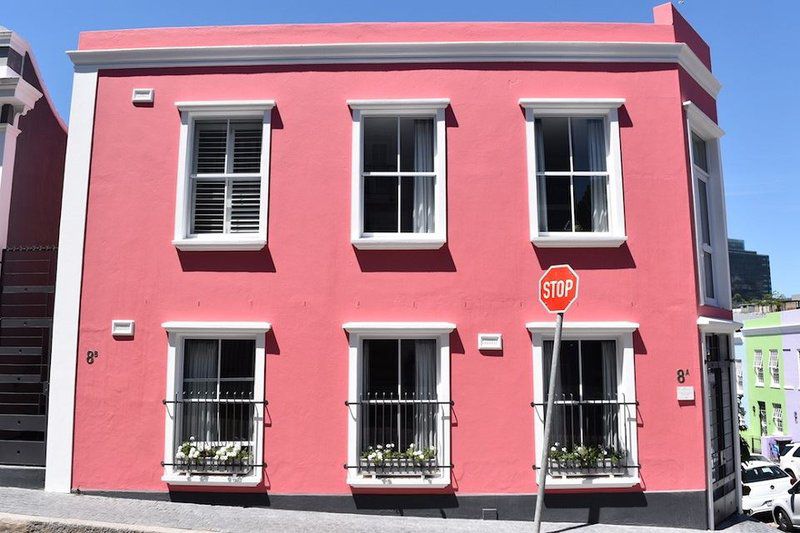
(790, 459)
(786, 509)
(759, 457)
(763, 483)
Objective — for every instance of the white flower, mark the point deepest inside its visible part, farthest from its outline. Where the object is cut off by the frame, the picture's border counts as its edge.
(552, 448)
(380, 446)
(564, 449)
(180, 455)
(411, 445)
(433, 449)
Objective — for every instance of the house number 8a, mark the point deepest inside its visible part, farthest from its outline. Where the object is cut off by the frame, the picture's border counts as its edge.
(681, 375)
(91, 355)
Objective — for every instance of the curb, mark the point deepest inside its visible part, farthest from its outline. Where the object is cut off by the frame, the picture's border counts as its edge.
(18, 523)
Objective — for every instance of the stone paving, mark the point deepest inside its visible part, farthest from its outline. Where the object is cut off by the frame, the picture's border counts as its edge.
(62, 513)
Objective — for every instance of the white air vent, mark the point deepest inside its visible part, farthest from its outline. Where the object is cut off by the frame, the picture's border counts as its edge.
(143, 96)
(490, 341)
(122, 328)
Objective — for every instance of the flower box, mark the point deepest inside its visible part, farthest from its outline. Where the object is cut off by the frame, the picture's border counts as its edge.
(209, 465)
(399, 467)
(602, 467)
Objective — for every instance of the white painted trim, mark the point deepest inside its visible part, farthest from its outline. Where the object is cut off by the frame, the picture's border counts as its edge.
(717, 325)
(357, 332)
(405, 52)
(702, 123)
(19, 93)
(779, 329)
(432, 107)
(177, 332)
(66, 311)
(572, 107)
(584, 328)
(391, 328)
(622, 333)
(190, 112)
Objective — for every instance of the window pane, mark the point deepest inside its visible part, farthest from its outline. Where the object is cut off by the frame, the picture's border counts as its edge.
(210, 143)
(416, 144)
(238, 358)
(247, 147)
(705, 230)
(417, 204)
(245, 205)
(588, 144)
(599, 370)
(591, 203)
(555, 136)
(380, 144)
(555, 214)
(380, 367)
(699, 152)
(200, 359)
(708, 272)
(568, 372)
(380, 204)
(418, 368)
(208, 206)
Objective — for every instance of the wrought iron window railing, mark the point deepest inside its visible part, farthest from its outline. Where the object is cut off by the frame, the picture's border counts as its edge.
(399, 435)
(215, 434)
(590, 437)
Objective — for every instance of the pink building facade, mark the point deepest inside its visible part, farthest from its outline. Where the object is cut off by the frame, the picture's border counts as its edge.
(299, 265)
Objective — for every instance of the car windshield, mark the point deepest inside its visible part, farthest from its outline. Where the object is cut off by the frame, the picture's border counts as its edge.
(762, 473)
(785, 449)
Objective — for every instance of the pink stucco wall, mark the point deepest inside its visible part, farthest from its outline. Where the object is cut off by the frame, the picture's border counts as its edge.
(310, 280)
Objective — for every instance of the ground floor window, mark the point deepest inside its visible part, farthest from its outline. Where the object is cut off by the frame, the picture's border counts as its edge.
(214, 405)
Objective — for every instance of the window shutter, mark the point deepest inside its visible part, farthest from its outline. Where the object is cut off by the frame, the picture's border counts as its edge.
(210, 149)
(208, 206)
(245, 205)
(247, 148)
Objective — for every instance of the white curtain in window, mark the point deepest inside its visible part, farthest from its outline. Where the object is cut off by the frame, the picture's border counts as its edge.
(610, 412)
(200, 375)
(423, 186)
(540, 181)
(597, 162)
(425, 387)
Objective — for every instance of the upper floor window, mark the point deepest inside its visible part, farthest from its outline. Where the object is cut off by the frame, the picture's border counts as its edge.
(398, 174)
(223, 175)
(758, 367)
(709, 208)
(574, 177)
(774, 369)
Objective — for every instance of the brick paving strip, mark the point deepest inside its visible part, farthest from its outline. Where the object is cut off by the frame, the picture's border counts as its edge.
(35, 511)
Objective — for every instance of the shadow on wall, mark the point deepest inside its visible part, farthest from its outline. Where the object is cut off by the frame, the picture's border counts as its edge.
(259, 261)
(586, 258)
(406, 260)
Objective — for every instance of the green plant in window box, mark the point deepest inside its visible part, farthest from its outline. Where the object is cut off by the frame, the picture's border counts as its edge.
(196, 456)
(387, 456)
(578, 460)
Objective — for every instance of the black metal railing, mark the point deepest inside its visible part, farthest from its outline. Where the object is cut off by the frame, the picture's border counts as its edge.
(215, 433)
(399, 434)
(590, 437)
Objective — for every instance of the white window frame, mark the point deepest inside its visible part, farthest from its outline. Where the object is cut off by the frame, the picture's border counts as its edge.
(774, 370)
(739, 377)
(190, 113)
(777, 417)
(357, 333)
(701, 125)
(622, 334)
(578, 107)
(433, 108)
(758, 367)
(177, 333)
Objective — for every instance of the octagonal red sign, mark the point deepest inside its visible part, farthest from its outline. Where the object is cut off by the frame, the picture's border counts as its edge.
(558, 288)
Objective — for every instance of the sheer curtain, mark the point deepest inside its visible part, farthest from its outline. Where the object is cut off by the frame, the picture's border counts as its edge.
(423, 185)
(560, 434)
(610, 412)
(541, 186)
(425, 387)
(597, 162)
(200, 382)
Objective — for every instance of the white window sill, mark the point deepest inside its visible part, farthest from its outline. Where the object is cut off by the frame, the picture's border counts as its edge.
(578, 240)
(591, 482)
(774, 386)
(788, 387)
(203, 244)
(211, 481)
(401, 482)
(410, 242)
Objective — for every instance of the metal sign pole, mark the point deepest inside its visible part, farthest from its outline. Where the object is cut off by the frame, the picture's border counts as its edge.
(551, 393)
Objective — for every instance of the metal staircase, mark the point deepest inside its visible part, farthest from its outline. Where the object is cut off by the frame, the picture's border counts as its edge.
(27, 290)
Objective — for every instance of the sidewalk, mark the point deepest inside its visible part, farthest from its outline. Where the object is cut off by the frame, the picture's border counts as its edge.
(59, 513)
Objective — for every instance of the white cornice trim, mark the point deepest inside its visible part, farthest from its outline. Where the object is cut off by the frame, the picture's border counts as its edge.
(778, 329)
(717, 325)
(404, 52)
(425, 104)
(701, 122)
(217, 327)
(19, 93)
(588, 328)
(419, 328)
(214, 106)
(572, 105)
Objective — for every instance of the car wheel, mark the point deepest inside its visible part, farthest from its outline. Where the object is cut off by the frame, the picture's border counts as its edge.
(783, 520)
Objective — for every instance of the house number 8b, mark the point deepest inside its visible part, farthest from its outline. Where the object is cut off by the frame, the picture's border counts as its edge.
(91, 355)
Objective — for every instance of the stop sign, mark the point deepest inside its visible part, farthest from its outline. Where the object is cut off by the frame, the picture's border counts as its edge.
(558, 288)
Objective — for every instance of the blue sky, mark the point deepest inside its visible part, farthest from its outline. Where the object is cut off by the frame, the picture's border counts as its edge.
(754, 52)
